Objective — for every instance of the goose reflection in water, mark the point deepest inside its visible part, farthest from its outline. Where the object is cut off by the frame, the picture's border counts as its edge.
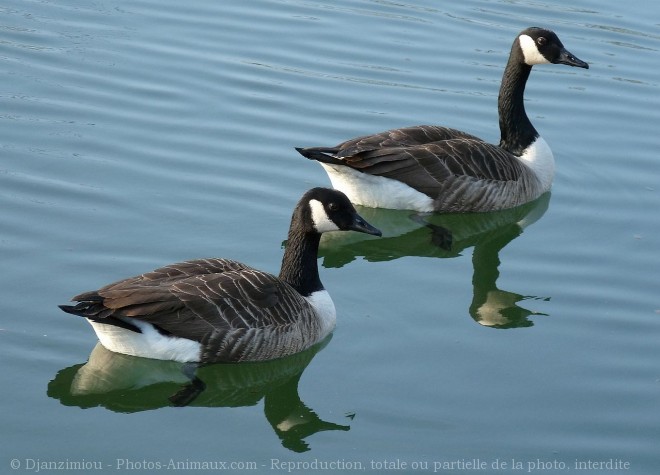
(127, 384)
(446, 236)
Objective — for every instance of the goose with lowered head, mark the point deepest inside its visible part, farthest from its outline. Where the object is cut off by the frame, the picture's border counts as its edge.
(433, 168)
(220, 310)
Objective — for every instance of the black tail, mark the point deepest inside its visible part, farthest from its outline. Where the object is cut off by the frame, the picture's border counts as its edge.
(74, 309)
(88, 309)
(89, 304)
(96, 312)
(321, 154)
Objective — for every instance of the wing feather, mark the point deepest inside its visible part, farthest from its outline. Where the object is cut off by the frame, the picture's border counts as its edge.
(436, 162)
(404, 137)
(194, 299)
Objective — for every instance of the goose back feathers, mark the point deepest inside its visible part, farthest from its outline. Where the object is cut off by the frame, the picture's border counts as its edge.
(432, 168)
(215, 309)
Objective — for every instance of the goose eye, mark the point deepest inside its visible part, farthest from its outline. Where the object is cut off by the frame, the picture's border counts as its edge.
(541, 41)
(333, 206)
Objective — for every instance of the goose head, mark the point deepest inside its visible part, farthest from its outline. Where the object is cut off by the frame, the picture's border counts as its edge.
(325, 209)
(541, 46)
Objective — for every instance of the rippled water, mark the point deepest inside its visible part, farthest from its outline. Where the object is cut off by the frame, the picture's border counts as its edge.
(134, 134)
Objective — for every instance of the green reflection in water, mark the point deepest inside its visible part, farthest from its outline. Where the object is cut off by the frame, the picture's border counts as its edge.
(444, 236)
(127, 384)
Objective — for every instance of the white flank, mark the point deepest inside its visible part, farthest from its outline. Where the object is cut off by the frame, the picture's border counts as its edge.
(325, 310)
(148, 344)
(530, 51)
(376, 191)
(320, 218)
(539, 158)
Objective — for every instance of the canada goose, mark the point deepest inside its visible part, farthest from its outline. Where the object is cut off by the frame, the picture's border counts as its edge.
(212, 310)
(431, 168)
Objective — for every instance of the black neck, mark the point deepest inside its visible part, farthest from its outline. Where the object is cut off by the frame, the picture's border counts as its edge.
(517, 132)
(300, 261)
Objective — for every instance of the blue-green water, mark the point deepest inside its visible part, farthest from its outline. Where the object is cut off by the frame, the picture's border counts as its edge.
(135, 134)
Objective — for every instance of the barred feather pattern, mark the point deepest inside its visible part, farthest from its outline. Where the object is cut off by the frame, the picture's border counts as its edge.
(433, 168)
(236, 312)
(458, 171)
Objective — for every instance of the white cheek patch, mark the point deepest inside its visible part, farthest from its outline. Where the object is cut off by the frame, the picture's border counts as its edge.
(530, 51)
(320, 218)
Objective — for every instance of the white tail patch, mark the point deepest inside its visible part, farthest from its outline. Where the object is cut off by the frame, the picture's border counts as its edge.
(148, 344)
(322, 223)
(530, 51)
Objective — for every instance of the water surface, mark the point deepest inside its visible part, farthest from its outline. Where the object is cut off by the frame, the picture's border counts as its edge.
(135, 134)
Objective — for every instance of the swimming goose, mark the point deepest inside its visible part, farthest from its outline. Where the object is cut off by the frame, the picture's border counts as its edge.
(432, 168)
(212, 310)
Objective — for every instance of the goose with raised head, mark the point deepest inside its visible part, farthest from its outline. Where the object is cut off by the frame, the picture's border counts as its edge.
(433, 168)
(217, 310)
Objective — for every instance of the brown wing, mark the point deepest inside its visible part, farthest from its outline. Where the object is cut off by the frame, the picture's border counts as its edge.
(395, 138)
(424, 157)
(196, 298)
(430, 168)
